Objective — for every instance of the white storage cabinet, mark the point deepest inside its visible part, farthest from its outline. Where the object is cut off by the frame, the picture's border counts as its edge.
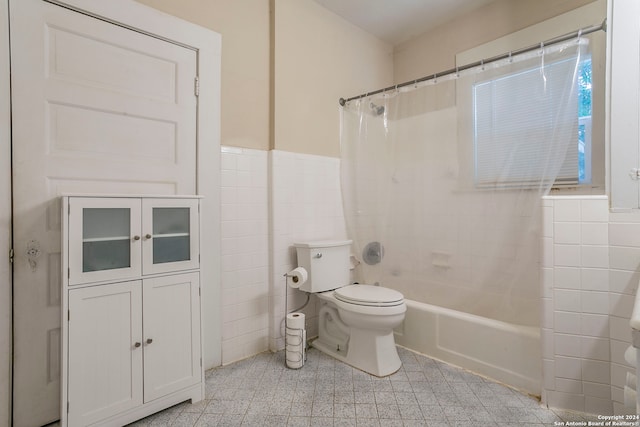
(131, 331)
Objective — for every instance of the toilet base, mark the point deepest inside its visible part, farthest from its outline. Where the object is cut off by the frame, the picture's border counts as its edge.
(374, 354)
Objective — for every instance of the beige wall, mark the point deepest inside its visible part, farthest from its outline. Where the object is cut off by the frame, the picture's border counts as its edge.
(435, 50)
(311, 58)
(319, 58)
(244, 26)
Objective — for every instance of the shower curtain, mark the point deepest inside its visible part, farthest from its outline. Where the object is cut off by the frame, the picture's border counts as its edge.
(442, 181)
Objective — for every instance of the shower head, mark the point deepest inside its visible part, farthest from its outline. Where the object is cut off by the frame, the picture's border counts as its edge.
(377, 109)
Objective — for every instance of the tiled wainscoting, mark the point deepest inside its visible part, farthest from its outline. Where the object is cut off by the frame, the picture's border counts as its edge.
(245, 246)
(306, 205)
(590, 272)
(290, 197)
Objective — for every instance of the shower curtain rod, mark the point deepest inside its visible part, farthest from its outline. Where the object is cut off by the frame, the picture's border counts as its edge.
(559, 39)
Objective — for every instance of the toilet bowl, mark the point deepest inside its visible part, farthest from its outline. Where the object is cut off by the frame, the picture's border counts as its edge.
(359, 331)
(355, 321)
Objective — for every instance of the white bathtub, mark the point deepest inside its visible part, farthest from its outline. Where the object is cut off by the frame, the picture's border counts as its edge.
(501, 351)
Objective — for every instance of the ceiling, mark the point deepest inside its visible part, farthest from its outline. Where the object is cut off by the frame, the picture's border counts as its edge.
(396, 21)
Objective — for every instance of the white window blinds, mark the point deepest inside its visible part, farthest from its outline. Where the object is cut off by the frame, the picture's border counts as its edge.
(517, 119)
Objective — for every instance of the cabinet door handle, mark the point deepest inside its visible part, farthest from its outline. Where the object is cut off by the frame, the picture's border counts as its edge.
(136, 345)
(148, 236)
(136, 237)
(149, 340)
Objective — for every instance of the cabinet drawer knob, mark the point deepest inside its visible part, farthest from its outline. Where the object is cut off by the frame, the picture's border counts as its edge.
(136, 237)
(149, 340)
(136, 345)
(148, 236)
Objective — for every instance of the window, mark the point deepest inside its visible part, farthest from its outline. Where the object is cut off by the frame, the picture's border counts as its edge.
(584, 122)
(520, 117)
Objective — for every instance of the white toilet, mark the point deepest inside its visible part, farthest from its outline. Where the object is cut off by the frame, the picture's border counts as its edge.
(355, 321)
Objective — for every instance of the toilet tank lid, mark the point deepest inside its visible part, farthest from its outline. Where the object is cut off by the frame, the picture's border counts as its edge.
(322, 244)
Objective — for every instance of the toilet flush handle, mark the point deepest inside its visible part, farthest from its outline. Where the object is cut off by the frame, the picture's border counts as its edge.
(318, 255)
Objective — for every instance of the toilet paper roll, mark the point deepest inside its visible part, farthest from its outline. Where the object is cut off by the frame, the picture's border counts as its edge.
(295, 321)
(297, 277)
(629, 397)
(295, 347)
(304, 346)
(295, 340)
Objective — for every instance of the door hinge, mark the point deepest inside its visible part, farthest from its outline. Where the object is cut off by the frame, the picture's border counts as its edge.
(67, 407)
(201, 362)
(69, 273)
(11, 253)
(196, 86)
(68, 315)
(199, 292)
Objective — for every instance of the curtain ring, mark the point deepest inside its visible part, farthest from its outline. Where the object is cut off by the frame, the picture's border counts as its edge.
(457, 72)
(482, 64)
(435, 78)
(415, 84)
(541, 48)
(579, 35)
(510, 57)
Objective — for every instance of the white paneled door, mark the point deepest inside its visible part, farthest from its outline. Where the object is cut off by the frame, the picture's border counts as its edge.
(97, 108)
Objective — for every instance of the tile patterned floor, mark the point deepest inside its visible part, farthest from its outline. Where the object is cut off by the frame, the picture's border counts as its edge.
(261, 391)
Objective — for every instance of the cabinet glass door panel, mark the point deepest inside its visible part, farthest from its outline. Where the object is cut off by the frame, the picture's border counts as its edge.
(105, 239)
(171, 235)
(170, 228)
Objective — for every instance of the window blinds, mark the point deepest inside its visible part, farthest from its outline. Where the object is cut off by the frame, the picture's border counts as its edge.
(517, 117)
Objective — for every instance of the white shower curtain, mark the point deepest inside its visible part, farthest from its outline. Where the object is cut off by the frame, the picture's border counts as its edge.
(442, 181)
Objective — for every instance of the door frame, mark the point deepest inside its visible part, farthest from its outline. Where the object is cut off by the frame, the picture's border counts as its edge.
(207, 44)
(5, 221)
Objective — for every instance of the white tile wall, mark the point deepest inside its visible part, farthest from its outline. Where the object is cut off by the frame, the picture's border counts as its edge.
(306, 205)
(245, 260)
(591, 268)
(624, 273)
(269, 200)
(590, 271)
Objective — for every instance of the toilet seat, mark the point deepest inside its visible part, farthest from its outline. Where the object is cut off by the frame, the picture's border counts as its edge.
(368, 295)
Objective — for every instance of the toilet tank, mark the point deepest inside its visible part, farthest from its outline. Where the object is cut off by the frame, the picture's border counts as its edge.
(326, 261)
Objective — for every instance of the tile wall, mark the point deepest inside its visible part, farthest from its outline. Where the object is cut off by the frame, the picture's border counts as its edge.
(589, 276)
(306, 205)
(245, 246)
(624, 274)
(590, 271)
(269, 201)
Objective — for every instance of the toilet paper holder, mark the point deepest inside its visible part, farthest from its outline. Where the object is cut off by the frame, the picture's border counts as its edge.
(295, 347)
(295, 335)
(295, 340)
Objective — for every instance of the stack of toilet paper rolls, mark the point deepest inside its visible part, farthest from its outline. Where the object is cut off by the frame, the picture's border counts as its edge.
(295, 340)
